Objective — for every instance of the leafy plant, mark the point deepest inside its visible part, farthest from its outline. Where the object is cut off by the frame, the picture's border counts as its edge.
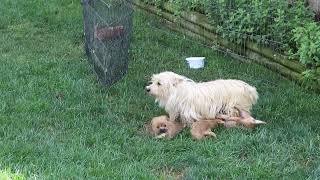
(307, 39)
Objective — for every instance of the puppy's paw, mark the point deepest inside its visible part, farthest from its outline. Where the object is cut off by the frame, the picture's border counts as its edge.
(163, 135)
(210, 134)
(258, 122)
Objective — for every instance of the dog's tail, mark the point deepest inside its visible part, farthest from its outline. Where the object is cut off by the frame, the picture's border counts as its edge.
(253, 94)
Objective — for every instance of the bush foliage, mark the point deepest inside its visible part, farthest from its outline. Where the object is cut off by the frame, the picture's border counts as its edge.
(307, 39)
(288, 28)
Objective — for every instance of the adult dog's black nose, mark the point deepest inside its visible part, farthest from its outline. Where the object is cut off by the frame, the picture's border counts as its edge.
(162, 130)
(147, 89)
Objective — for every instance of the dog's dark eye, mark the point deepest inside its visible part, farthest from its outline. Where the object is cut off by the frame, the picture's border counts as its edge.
(165, 125)
(157, 127)
(159, 84)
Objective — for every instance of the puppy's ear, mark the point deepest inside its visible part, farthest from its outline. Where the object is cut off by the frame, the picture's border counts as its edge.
(148, 128)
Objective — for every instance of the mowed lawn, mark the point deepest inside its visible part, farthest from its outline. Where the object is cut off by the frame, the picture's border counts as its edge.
(58, 122)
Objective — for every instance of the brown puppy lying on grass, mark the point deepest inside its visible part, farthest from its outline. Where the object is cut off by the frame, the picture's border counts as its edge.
(203, 129)
(161, 127)
(244, 119)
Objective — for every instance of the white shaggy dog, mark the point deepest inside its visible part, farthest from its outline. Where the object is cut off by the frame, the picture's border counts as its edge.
(191, 101)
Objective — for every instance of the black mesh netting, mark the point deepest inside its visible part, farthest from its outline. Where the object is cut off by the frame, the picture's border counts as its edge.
(107, 28)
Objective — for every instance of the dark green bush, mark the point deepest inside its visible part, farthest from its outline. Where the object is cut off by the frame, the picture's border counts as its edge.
(307, 40)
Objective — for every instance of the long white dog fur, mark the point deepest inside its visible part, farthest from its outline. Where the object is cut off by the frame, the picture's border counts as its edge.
(191, 101)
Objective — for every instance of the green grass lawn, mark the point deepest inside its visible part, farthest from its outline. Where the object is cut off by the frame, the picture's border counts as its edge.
(58, 122)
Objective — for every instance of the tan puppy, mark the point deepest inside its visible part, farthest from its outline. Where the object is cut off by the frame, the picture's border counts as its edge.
(203, 129)
(161, 127)
(244, 119)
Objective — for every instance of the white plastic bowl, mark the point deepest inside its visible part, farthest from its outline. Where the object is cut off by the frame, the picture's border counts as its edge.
(195, 62)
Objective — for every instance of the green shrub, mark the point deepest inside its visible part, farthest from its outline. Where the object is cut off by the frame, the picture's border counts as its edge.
(307, 40)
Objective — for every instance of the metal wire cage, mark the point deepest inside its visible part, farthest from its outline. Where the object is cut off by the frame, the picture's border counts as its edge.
(108, 29)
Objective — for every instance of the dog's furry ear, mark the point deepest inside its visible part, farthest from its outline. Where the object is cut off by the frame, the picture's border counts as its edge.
(178, 80)
(179, 126)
